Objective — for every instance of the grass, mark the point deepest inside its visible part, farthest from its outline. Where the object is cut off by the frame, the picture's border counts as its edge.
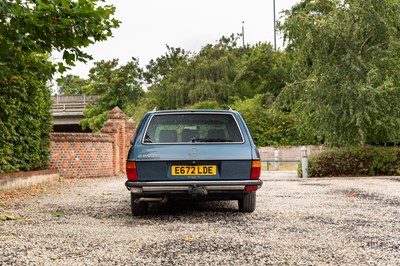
(282, 166)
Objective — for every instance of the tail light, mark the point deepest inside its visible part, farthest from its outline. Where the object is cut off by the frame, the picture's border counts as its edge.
(131, 171)
(255, 169)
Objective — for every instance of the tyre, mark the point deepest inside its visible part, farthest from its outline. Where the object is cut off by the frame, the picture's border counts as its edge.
(139, 208)
(248, 202)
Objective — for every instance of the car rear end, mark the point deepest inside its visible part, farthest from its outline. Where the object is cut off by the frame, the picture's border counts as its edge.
(193, 154)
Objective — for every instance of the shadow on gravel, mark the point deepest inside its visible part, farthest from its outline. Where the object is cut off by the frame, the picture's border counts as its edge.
(225, 213)
(119, 209)
(191, 206)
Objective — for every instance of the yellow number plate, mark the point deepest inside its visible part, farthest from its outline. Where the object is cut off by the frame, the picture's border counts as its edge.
(191, 170)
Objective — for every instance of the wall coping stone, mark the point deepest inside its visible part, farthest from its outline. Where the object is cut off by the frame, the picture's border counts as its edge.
(12, 181)
(28, 174)
(116, 113)
(80, 137)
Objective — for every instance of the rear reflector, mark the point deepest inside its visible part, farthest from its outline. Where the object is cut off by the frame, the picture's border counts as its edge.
(131, 171)
(255, 170)
(136, 190)
(251, 188)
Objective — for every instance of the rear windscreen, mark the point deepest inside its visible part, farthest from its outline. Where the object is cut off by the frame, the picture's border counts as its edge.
(193, 128)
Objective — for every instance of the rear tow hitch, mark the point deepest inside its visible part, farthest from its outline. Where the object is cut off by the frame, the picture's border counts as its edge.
(195, 190)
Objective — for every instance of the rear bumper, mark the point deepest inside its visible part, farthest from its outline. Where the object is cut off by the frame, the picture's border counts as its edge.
(187, 186)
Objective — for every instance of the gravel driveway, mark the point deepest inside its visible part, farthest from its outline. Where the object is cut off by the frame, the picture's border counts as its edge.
(340, 221)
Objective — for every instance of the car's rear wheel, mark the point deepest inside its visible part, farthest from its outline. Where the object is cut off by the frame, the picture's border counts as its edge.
(138, 208)
(248, 202)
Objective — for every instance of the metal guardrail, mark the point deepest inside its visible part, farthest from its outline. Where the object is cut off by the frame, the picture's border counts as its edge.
(68, 107)
(71, 103)
(73, 98)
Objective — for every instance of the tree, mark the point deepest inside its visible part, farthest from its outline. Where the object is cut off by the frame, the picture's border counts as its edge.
(116, 86)
(212, 72)
(265, 70)
(29, 32)
(162, 75)
(346, 75)
(72, 84)
(270, 127)
(183, 80)
(157, 70)
(62, 25)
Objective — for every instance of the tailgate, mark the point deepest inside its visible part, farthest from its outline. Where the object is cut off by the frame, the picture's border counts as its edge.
(194, 162)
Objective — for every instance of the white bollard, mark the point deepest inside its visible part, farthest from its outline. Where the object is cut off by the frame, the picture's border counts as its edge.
(304, 162)
(276, 158)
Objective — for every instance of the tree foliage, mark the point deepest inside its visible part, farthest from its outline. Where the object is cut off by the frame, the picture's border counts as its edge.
(205, 76)
(264, 71)
(270, 127)
(346, 71)
(219, 76)
(71, 84)
(160, 68)
(211, 73)
(29, 32)
(163, 76)
(215, 74)
(62, 25)
(116, 86)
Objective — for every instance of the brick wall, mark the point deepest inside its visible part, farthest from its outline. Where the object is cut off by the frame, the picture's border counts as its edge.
(81, 154)
(93, 155)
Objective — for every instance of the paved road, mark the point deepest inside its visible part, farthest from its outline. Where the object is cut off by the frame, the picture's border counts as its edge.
(340, 221)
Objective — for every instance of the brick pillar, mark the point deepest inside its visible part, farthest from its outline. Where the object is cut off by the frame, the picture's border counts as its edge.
(122, 146)
(130, 129)
(110, 129)
(115, 126)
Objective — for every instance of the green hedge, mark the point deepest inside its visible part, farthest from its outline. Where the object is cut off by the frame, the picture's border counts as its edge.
(25, 116)
(25, 125)
(271, 127)
(356, 161)
(278, 129)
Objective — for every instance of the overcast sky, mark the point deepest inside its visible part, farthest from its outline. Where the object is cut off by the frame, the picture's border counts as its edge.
(147, 26)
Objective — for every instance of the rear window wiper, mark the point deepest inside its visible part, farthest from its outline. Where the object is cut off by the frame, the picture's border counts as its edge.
(147, 139)
(211, 140)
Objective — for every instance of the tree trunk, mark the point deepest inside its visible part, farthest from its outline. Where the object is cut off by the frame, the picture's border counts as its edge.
(361, 137)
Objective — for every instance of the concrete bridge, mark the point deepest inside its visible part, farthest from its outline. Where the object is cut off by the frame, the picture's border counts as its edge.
(68, 112)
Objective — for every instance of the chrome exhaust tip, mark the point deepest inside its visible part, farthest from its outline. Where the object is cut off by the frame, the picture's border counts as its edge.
(159, 200)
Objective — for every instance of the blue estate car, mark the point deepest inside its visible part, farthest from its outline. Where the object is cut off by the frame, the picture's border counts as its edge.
(193, 154)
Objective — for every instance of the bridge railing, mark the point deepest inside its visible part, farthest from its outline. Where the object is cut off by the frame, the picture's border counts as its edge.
(73, 98)
(71, 103)
(68, 107)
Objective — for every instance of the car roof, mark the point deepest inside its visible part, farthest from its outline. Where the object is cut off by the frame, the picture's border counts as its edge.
(194, 111)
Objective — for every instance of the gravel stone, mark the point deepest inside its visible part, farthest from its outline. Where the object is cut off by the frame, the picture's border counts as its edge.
(327, 221)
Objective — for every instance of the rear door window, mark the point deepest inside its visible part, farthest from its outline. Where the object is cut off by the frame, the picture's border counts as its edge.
(192, 128)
